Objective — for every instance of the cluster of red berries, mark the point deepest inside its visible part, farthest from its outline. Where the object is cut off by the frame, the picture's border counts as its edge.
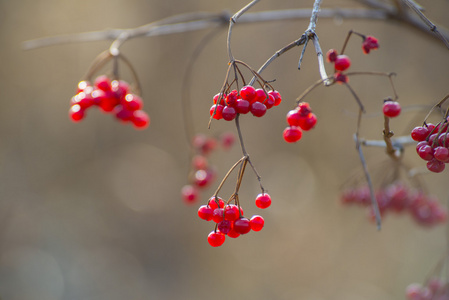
(433, 145)
(435, 289)
(299, 119)
(397, 197)
(341, 63)
(111, 97)
(229, 219)
(249, 99)
(202, 173)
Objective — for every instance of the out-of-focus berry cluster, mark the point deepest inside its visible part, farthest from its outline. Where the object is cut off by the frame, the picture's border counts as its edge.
(435, 289)
(399, 198)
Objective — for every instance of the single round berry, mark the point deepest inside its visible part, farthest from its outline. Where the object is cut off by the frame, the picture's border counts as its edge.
(261, 96)
(220, 99)
(216, 238)
(248, 93)
(189, 194)
(225, 226)
(229, 113)
(308, 122)
(140, 119)
(420, 133)
(391, 109)
(263, 200)
(231, 212)
(76, 113)
(218, 215)
(203, 178)
(342, 62)
(435, 166)
(258, 109)
(294, 117)
(205, 212)
(242, 225)
(426, 152)
(123, 114)
(441, 154)
(227, 140)
(331, 55)
(256, 222)
(242, 106)
(270, 101)
(216, 111)
(292, 134)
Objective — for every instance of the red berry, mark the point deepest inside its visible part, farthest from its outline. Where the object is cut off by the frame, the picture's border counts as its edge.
(219, 98)
(242, 225)
(435, 166)
(277, 97)
(205, 212)
(229, 113)
(189, 194)
(391, 109)
(213, 202)
(120, 88)
(258, 109)
(218, 215)
(84, 99)
(256, 222)
(103, 83)
(216, 111)
(227, 140)
(106, 100)
(294, 117)
(342, 62)
(370, 43)
(292, 134)
(123, 114)
(248, 93)
(426, 152)
(231, 98)
(132, 102)
(261, 96)
(269, 102)
(331, 55)
(304, 109)
(140, 119)
(232, 212)
(225, 226)
(263, 200)
(76, 113)
(420, 133)
(199, 162)
(308, 122)
(341, 78)
(216, 238)
(441, 154)
(233, 234)
(203, 178)
(242, 106)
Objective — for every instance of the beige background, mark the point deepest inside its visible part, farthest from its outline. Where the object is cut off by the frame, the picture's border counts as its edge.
(92, 210)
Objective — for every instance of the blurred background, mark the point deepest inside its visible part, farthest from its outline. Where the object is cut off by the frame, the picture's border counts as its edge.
(93, 210)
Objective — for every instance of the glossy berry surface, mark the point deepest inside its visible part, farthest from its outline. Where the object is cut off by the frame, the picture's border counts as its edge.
(342, 62)
(391, 109)
(242, 226)
(248, 93)
(256, 222)
(205, 212)
(263, 200)
(258, 109)
(216, 238)
(292, 134)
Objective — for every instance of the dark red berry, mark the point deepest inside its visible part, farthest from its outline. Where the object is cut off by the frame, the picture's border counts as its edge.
(258, 109)
(435, 166)
(420, 133)
(370, 43)
(229, 113)
(441, 154)
(391, 109)
(242, 226)
(103, 83)
(242, 106)
(341, 78)
(225, 226)
(331, 55)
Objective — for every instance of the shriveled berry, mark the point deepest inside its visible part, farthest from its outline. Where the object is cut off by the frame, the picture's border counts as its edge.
(341, 78)
(216, 238)
(263, 200)
(370, 43)
(391, 109)
(292, 134)
(331, 55)
(256, 222)
(342, 62)
(231, 98)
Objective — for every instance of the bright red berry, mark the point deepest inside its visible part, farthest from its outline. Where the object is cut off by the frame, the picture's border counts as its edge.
(263, 200)
(256, 222)
(218, 215)
(233, 234)
(261, 96)
(231, 98)
(103, 83)
(205, 212)
(215, 202)
(342, 62)
(82, 85)
(277, 97)
(76, 113)
(294, 117)
(140, 119)
(292, 134)
(242, 225)
(132, 102)
(391, 109)
(216, 238)
(308, 122)
(248, 93)
(220, 99)
(232, 212)
(120, 88)
(258, 109)
(216, 111)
